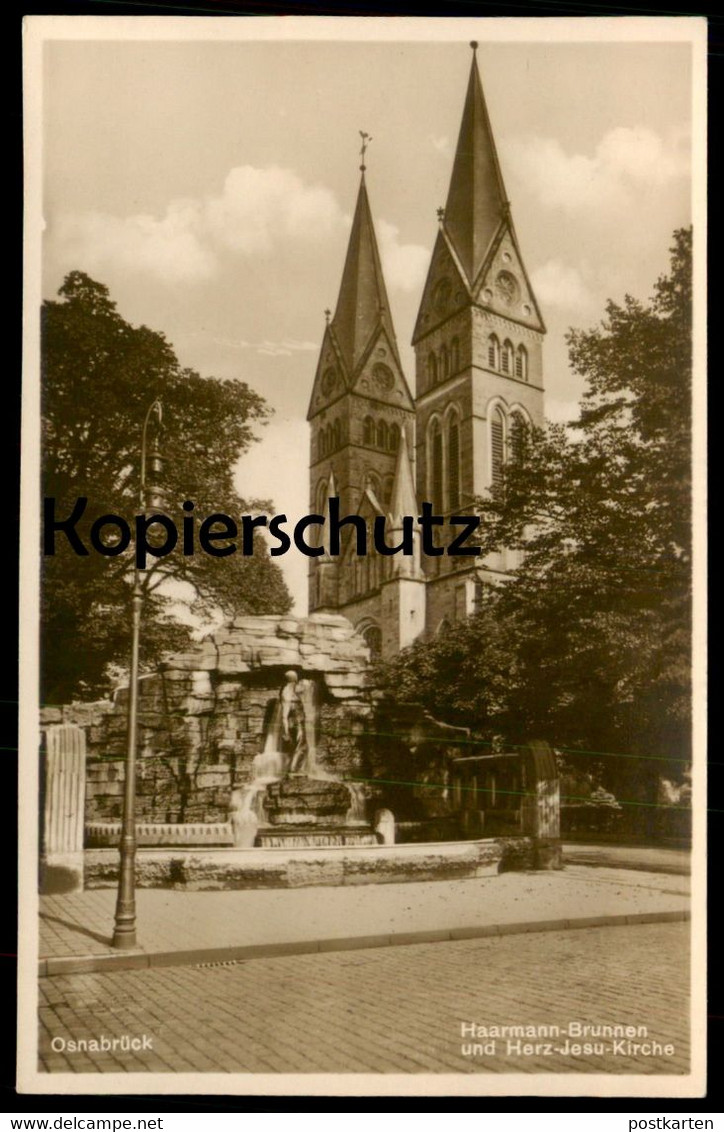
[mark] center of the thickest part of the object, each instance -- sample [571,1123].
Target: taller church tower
[478,345]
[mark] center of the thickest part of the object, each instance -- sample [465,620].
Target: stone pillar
[384,826]
[541,807]
[61,864]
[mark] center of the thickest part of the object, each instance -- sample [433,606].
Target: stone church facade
[382,451]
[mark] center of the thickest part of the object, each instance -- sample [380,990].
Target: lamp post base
[124,940]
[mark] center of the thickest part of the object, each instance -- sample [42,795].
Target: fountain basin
[213,869]
[297,835]
[100,834]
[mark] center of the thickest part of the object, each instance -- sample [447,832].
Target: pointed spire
[404,500]
[331,493]
[477,201]
[362,306]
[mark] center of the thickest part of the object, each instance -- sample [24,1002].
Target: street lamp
[124,934]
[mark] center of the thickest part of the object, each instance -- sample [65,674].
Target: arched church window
[436,467]
[493,352]
[453,461]
[497,447]
[322,497]
[444,363]
[432,367]
[382,434]
[394,437]
[521,363]
[455,355]
[387,485]
[368,431]
[322,443]
[518,431]
[336,435]
[373,483]
[372,637]
[375,567]
[506,358]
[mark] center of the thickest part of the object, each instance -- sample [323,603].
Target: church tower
[361,415]
[478,344]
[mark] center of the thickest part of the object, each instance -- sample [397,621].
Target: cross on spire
[366,139]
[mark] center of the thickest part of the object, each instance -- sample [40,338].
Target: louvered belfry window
[454,463]
[517,436]
[497,447]
[436,454]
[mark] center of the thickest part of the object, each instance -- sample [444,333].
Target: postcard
[362,740]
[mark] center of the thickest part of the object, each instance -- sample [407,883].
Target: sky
[210,185]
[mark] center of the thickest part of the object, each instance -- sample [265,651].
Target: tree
[587,645]
[99,377]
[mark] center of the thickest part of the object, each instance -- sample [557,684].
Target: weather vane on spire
[366,139]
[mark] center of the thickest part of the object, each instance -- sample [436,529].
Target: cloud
[283,349]
[441,144]
[404,265]
[256,211]
[172,248]
[260,208]
[627,161]
[286,347]
[558,285]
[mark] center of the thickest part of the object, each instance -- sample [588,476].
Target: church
[478,344]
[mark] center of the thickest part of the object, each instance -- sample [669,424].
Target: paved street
[390,1010]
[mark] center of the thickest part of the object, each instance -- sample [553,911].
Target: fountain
[291,801]
[268,761]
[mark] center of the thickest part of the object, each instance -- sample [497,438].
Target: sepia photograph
[362,655]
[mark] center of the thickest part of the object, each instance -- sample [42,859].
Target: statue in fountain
[293,723]
[291,800]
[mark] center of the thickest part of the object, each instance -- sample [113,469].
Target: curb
[591,862]
[134,960]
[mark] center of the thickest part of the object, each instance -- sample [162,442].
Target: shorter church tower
[362,417]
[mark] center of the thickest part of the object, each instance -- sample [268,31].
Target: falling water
[247,809]
[247,813]
[269,765]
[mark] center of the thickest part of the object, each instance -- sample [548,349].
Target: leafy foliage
[587,645]
[99,377]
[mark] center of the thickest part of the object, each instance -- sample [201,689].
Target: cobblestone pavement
[389,1010]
